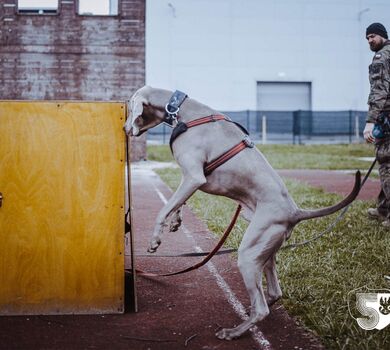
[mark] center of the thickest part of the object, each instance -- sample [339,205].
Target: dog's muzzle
[130,130]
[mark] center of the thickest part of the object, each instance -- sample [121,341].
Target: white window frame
[115,5]
[38,9]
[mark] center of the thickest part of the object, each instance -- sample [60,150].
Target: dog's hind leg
[274,292]
[260,242]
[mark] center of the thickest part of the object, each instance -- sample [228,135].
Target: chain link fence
[296,127]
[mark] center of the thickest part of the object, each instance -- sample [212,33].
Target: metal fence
[297,127]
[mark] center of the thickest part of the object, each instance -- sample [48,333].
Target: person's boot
[373,213]
[386,223]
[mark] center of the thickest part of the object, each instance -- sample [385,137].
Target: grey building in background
[263,54]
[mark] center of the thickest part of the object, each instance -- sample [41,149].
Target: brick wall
[71,57]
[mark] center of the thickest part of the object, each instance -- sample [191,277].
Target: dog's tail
[311,214]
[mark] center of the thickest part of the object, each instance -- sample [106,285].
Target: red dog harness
[210,167]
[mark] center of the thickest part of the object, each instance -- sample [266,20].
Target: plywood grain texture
[62,218]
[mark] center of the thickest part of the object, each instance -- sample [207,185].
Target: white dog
[247,178]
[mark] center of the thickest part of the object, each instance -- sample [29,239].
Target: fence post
[357,128]
[248,121]
[294,132]
[350,126]
[264,129]
[297,126]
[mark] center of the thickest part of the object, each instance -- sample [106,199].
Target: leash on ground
[185,255]
[205,260]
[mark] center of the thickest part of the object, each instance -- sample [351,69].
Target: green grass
[316,279]
[297,156]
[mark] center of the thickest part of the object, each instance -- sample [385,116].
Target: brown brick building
[61,54]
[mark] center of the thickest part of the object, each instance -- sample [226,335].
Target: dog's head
[141,114]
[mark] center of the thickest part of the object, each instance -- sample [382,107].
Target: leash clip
[171,116]
[175,112]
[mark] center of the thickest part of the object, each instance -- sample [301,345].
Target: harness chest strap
[210,167]
[204,120]
[182,127]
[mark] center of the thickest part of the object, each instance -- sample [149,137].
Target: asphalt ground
[335,181]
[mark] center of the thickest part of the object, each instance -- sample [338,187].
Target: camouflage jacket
[379,74]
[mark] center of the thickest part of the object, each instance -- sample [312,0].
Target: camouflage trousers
[383,158]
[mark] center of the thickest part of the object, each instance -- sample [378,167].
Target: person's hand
[367,133]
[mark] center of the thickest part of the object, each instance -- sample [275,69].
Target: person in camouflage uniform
[376,127]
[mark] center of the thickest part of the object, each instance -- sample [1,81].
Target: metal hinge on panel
[1,199]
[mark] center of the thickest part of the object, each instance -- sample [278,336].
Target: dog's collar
[173,106]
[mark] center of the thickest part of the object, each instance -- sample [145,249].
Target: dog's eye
[138,121]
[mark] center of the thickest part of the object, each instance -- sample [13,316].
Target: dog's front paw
[154,244]
[225,334]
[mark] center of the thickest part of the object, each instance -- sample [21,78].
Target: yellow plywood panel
[62,218]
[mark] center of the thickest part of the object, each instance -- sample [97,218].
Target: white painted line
[159,193]
[257,335]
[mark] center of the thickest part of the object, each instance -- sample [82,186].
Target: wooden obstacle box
[62,209]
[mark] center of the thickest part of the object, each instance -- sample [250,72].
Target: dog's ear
[135,107]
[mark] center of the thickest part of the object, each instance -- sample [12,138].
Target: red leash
[205,260]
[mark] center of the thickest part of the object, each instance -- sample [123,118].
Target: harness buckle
[248,142]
